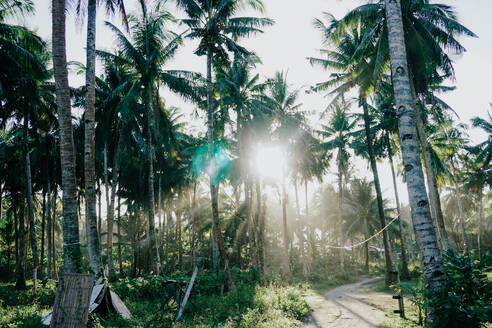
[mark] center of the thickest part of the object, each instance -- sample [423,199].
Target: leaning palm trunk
[404,274]
[156,262]
[433,273]
[94,247]
[457,189]
[71,245]
[434,197]
[28,192]
[217,239]
[387,251]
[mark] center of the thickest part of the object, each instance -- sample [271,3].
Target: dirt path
[346,306]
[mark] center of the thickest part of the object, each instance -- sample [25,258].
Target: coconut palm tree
[355,71]
[151,47]
[71,244]
[94,247]
[337,135]
[214,24]
[431,30]
[432,266]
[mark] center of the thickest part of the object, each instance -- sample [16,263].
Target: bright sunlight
[269,161]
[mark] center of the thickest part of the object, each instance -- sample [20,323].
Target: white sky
[286,45]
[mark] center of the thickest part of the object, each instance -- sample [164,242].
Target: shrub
[467,297]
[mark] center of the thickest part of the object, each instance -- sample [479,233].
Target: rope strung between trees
[365,241]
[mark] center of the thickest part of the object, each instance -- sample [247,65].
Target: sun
[269,161]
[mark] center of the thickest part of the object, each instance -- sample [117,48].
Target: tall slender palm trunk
[118,220]
[480,220]
[48,229]
[71,245]
[156,262]
[389,278]
[285,228]
[20,272]
[260,219]
[430,254]
[110,223]
[93,242]
[214,188]
[457,190]
[28,192]
[340,219]
[300,229]
[404,274]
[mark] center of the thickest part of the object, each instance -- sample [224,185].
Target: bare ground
[348,306]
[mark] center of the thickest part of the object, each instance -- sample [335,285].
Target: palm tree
[431,30]
[337,136]
[71,245]
[214,25]
[94,247]
[432,266]
[151,48]
[480,172]
[354,71]
[450,142]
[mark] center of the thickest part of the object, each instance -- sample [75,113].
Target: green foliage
[467,297]
[249,305]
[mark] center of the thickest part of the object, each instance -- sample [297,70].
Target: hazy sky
[286,45]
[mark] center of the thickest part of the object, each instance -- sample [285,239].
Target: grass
[275,305]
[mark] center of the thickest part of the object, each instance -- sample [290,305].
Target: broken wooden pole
[187,294]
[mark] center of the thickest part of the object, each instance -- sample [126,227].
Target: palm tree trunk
[193,224]
[43,230]
[480,220]
[99,218]
[53,226]
[432,265]
[28,191]
[300,231]
[309,252]
[285,230]
[404,274]
[93,242]
[214,188]
[179,216]
[382,219]
[251,224]
[71,245]
[120,263]
[20,274]
[48,229]
[457,189]
[210,136]
[110,223]
[261,228]
[156,262]
[434,197]
[340,218]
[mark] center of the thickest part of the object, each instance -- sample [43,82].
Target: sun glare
[269,162]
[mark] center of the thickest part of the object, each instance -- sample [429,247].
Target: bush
[467,300]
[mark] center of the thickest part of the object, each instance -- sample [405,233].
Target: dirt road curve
[345,307]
